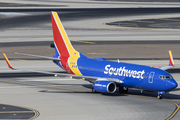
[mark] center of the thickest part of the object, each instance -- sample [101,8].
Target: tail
[62,44]
[171,61]
[63,48]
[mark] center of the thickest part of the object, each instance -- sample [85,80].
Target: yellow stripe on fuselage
[74,55]
[72,61]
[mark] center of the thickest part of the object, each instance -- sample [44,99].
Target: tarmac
[26,28]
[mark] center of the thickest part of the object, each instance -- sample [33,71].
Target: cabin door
[151,75]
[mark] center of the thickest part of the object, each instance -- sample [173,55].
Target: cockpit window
[165,77]
[168,77]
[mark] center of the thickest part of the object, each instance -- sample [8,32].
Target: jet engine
[105,86]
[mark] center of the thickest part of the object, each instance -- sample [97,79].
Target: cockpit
[165,77]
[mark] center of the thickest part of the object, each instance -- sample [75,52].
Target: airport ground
[142,33]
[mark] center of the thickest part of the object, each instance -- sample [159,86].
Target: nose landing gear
[160,93]
[159,96]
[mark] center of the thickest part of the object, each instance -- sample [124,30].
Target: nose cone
[171,84]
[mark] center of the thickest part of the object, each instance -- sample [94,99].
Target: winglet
[7,61]
[171,61]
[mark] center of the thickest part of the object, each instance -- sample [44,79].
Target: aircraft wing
[87,78]
[50,58]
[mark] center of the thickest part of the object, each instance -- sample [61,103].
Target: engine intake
[105,86]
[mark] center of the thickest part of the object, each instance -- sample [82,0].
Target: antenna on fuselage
[118,60]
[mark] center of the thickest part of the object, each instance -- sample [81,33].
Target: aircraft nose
[172,84]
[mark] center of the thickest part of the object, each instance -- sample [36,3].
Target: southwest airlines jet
[105,76]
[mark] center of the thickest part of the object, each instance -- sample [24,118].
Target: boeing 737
[105,76]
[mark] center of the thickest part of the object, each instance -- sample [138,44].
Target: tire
[159,96]
[123,89]
[93,90]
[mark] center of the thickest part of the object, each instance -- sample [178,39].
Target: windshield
[165,77]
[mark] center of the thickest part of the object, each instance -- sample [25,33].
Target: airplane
[105,76]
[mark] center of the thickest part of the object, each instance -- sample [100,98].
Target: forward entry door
[151,75]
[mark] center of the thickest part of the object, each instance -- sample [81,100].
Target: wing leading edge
[87,78]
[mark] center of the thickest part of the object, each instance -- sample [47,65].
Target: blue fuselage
[132,75]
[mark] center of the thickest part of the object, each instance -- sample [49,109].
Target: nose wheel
[159,96]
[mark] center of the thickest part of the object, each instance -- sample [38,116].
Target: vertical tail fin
[62,44]
[171,61]
[63,48]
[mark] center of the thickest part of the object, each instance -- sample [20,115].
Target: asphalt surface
[110,50]
[77,14]
[55,97]
[163,23]
[26,28]
[140,0]
[15,112]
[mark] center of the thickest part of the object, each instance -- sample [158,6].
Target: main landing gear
[93,90]
[123,89]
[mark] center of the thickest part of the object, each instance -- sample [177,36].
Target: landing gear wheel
[93,90]
[123,89]
[159,96]
[120,89]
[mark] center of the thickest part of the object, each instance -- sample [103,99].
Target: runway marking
[3,20]
[46,85]
[36,113]
[174,112]
[84,42]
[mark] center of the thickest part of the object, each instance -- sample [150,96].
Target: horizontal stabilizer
[50,58]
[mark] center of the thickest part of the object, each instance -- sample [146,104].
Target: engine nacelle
[105,86]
